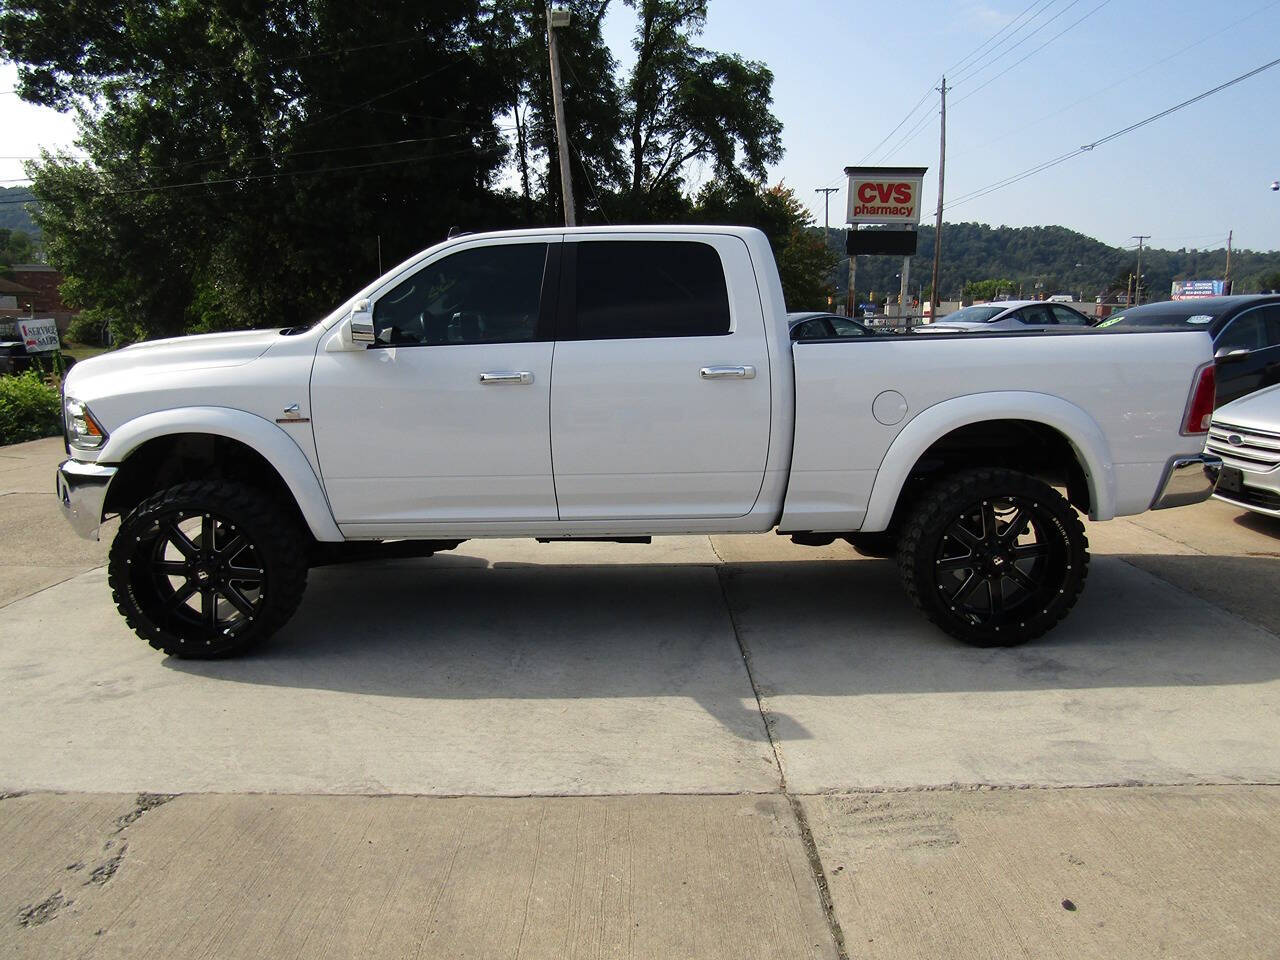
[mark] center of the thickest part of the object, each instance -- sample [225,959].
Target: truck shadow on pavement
[454,627]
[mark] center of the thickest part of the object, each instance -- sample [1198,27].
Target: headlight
[82,430]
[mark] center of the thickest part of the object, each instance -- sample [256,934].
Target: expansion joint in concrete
[814,859]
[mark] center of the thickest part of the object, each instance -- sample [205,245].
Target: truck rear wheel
[205,569]
[993,557]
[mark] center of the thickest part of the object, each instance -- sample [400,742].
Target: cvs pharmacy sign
[884,194]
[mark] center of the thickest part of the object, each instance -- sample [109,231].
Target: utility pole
[1137,280]
[826,207]
[826,216]
[558,16]
[937,223]
[1226,279]
[851,301]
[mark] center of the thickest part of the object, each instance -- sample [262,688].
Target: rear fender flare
[1081,431]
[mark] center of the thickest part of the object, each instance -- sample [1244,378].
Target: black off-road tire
[929,541]
[146,550]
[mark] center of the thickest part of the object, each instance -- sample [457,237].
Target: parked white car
[1245,434]
[616,383]
[1008,315]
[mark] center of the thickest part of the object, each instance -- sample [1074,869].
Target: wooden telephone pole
[1226,279]
[937,223]
[1137,281]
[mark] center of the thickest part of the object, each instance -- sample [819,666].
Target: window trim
[567,320]
[548,294]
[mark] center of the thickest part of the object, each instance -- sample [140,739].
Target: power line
[1074,24]
[1009,181]
[284,175]
[321,150]
[995,54]
[930,89]
[1137,73]
[959,65]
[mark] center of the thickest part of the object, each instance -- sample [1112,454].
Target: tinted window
[483,295]
[1037,315]
[978,313]
[649,288]
[815,329]
[1170,315]
[1065,315]
[1249,330]
[847,328]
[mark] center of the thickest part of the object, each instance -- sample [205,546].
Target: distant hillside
[15,215]
[1060,260]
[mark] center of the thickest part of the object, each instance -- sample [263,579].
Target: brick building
[33,288]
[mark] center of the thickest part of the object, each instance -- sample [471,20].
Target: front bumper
[1187,480]
[82,490]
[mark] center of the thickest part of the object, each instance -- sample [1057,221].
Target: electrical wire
[1086,148]
[284,175]
[991,80]
[1111,86]
[974,69]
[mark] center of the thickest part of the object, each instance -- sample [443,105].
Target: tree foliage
[250,164]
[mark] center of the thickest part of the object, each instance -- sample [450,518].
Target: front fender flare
[1081,431]
[275,446]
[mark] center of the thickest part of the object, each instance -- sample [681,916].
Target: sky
[846,73]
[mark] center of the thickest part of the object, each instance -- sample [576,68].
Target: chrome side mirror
[1230,354]
[362,322]
[355,332]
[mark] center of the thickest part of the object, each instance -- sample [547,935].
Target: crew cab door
[445,416]
[660,397]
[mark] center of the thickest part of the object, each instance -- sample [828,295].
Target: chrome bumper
[1187,480]
[82,490]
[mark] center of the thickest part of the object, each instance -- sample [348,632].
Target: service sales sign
[884,194]
[39,336]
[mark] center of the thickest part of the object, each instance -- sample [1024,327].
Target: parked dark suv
[1245,331]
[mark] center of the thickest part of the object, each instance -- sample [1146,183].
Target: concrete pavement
[793,763]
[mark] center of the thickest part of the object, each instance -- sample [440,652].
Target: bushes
[29,409]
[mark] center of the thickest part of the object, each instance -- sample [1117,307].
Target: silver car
[1245,433]
[1008,315]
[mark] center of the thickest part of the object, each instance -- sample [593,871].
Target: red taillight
[1200,408]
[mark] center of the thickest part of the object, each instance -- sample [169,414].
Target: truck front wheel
[993,557]
[206,569]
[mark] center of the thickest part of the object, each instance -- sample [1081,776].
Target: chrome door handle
[507,376]
[727,373]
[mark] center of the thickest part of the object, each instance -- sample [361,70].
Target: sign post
[884,197]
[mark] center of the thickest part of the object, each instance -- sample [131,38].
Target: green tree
[1266,281]
[989,289]
[245,160]
[686,104]
[593,113]
[804,261]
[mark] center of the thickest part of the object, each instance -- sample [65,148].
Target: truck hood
[1257,411]
[179,353]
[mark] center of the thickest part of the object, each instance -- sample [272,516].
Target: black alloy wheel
[205,570]
[994,557]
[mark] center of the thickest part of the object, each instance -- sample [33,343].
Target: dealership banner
[1196,289]
[884,194]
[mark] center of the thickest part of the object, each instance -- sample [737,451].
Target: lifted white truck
[617,383]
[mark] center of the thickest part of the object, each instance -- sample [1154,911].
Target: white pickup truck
[617,384]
